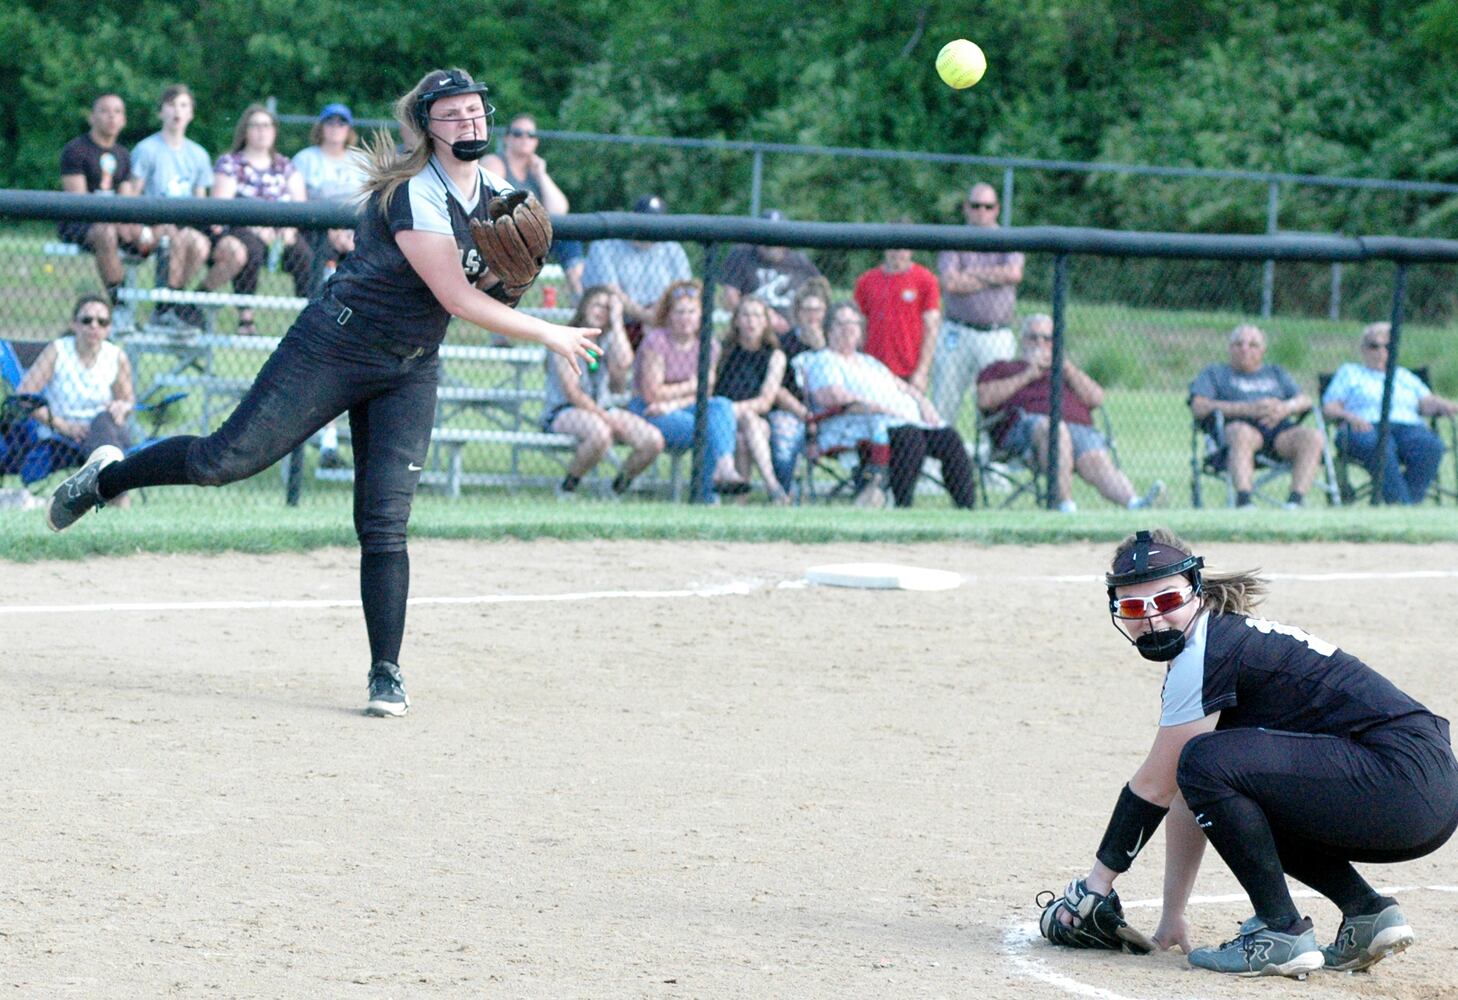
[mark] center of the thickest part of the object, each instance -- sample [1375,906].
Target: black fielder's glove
[515,241]
[1098,920]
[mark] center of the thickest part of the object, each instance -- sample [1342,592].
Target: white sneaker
[79,494]
[1155,491]
[1067,507]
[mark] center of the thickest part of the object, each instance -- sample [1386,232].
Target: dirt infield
[756,790]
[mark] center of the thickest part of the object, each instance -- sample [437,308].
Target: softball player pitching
[1289,755]
[437,237]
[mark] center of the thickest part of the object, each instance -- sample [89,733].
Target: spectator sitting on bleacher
[751,372]
[1021,391]
[524,168]
[902,305]
[333,168]
[770,273]
[167,164]
[87,384]
[894,420]
[791,412]
[639,271]
[96,163]
[254,168]
[581,405]
[1260,404]
[666,386]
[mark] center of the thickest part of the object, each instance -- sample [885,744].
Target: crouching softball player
[1289,755]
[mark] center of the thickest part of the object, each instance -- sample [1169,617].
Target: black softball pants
[1277,803]
[910,445]
[320,370]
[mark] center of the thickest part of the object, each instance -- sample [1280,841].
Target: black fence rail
[755,361]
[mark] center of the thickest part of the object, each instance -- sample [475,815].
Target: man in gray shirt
[1260,404]
[167,164]
[637,271]
[979,293]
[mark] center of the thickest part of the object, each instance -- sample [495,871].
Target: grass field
[175,521]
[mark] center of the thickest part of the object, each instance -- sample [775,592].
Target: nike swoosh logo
[414,468]
[1137,844]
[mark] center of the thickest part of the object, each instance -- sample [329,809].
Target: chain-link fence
[833,371]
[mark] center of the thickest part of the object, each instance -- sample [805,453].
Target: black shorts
[1268,434]
[76,232]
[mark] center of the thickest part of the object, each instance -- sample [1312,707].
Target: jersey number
[1318,646]
[471,263]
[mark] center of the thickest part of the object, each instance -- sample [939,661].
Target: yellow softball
[961,63]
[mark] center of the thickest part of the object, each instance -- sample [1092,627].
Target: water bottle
[275,254]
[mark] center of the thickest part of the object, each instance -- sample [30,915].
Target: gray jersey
[1223,383]
[641,272]
[171,173]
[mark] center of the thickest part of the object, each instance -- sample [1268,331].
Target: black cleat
[387,691]
[80,494]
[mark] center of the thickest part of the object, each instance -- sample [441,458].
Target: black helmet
[447,83]
[1147,559]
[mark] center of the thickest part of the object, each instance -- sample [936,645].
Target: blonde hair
[1223,593]
[386,168]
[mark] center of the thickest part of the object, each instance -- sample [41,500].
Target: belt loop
[344,315]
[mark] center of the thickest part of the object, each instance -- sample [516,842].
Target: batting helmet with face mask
[454,83]
[1147,560]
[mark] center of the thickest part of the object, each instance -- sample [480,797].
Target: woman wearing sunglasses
[1288,754]
[87,384]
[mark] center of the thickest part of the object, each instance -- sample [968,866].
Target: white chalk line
[1018,939]
[736,588]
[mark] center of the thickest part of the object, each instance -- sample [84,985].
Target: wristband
[1130,827]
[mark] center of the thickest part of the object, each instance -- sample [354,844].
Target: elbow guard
[1130,827]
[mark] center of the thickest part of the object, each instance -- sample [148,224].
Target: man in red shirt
[1023,390]
[902,304]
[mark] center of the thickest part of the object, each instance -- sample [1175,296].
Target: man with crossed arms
[979,292]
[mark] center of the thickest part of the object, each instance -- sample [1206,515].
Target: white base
[883,576]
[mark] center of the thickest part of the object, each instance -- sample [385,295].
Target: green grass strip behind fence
[168,527]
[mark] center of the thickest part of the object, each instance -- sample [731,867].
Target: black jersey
[1259,673]
[83,156]
[376,280]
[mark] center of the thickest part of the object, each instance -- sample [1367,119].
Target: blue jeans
[1411,462]
[787,440]
[678,433]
